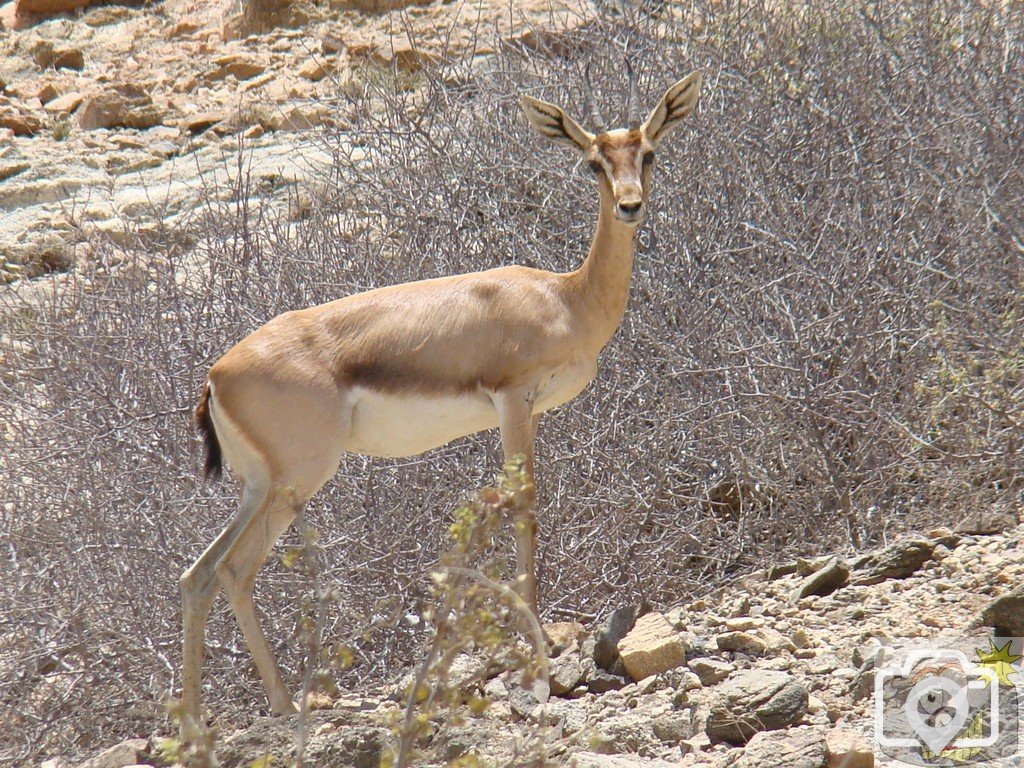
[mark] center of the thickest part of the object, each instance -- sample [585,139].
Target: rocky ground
[777,671]
[118,120]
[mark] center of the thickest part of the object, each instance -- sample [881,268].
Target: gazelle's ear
[677,103]
[551,121]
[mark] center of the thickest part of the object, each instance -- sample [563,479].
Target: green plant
[475,612]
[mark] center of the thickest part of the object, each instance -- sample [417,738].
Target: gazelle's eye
[648,158]
[595,166]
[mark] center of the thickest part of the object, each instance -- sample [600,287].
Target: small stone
[741,642]
[199,122]
[600,681]
[753,701]
[711,671]
[673,726]
[101,110]
[68,58]
[236,65]
[597,760]
[45,94]
[565,673]
[315,70]
[563,635]
[832,576]
[23,7]
[848,749]
[743,623]
[143,116]
[63,105]
[21,123]
[317,700]
[652,646]
[120,756]
[793,748]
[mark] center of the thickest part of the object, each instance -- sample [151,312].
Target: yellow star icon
[1000,661]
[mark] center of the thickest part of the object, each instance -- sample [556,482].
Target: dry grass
[823,348]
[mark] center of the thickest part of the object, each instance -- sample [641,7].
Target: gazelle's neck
[600,287]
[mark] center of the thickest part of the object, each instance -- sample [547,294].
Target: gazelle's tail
[204,424]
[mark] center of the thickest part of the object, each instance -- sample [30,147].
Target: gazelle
[397,371]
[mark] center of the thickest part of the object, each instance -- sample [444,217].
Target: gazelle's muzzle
[629,203]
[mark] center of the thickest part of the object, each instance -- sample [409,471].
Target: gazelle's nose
[630,209]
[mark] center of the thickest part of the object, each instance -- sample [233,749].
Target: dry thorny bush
[823,346]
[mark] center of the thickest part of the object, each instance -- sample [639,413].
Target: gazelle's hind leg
[199,588]
[237,571]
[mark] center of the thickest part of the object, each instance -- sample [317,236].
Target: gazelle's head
[620,158]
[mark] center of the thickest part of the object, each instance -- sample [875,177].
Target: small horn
[632,118]
[595,114]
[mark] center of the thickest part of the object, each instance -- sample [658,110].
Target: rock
[711,671]
[123,105]
[466,670]
[120,756]
[64,105]
[143,116]
[21,123]
[46,54]
[45,94]
[741,642]
[753,701]
[985,522]
[47,7]
[832,576]
[793,748]
[199,122]
[317,700]
[563,635]
[101,110]
[522,702]
[606,636]
[68,58]
[652,646]
[315,70]
[897,561]
[296,117]
[848,749]
[600,681]
[744,623]
[625,732]
[595,760]
[236,65]
[1005,615]
[10,170]
[565,672]
[674,726]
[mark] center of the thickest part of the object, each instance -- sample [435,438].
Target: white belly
[404,424]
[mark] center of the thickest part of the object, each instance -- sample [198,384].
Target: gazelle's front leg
[518,428]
